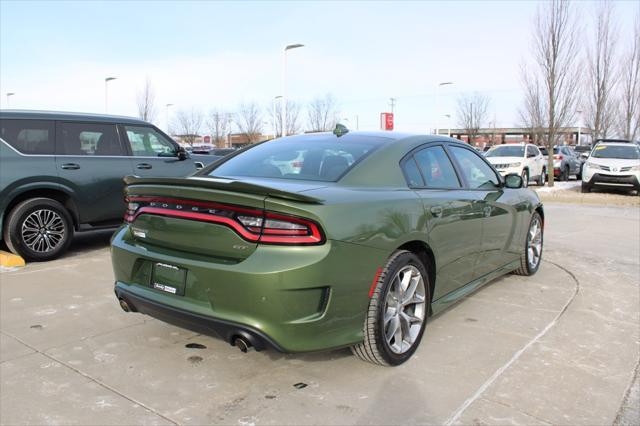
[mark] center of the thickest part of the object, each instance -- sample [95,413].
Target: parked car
[62,173]
[525,160]
[328,255]
[613,165]
[565,162]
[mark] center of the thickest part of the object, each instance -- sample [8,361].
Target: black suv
[62,173]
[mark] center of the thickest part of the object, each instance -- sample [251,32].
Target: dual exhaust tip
[241,342]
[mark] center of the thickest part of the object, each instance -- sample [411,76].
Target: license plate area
[168,278]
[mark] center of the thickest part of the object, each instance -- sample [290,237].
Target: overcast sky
[55,55]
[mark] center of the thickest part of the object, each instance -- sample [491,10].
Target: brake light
[251,224]
[558,157]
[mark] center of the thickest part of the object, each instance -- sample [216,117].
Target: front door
[498,217]
[91,162]
[153,154]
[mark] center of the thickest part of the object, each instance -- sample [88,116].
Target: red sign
[386,121]
[207,139]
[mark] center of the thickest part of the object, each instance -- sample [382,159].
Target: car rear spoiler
[222,185]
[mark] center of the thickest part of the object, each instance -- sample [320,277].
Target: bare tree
[293,118]
[322,113]
[189,124]
[629,111]
[146,102]
[531,114]
[472,113]
[218,125]
[555,69]
[601,73]
[249,121]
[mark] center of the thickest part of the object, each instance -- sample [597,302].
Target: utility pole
[392,102]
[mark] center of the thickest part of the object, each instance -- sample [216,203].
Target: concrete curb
[10,260]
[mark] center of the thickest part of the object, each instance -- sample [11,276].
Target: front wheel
[532,255]
[585,188]
[38,229]
[542,178]
[397,312]
[525,178]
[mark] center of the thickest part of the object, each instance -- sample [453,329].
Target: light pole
[106,92]
[579,125]
[167,106]
[275,116]
[448,125]
[9,94]
[444,83]
[284,85]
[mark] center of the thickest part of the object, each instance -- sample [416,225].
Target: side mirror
[181,154]
[513,181]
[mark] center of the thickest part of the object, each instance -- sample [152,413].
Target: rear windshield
[302,158]
[616,151]
[507,151]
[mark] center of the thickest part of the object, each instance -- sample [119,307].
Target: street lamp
[9,94]
[275,116]
[444,83]
[284,85]
[167,106]
[106,92]
[579,125]
[448,124]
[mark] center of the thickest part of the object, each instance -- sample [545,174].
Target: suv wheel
[397,312]
[585,188]
[542,178]
[525,178]
[38,229]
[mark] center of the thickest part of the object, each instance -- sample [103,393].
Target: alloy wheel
[534,243]
[43,231]
[405,309]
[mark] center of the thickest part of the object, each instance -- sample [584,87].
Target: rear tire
[38,229]
[565,174]
[531,257]
[585,188]
[388,312]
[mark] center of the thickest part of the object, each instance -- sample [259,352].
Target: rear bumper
[226,330]
[293,299]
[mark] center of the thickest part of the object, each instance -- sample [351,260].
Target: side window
[411,173]
[29,136]
[477,173]
[146,142]
[88,139]
[436,168]
[531,151]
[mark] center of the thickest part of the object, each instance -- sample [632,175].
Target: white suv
[523,159]
[612,165]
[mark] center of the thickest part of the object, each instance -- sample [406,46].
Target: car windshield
[323,159]
[629,152]
[507,151]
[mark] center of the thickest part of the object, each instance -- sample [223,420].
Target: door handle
[436,211]
[70,166]
[145,166]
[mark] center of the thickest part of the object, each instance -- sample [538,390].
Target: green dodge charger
[327,240]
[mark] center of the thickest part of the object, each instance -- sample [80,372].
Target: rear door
[153,154]
[454,224]
[91,160]
[498,216]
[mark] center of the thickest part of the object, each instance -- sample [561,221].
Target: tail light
[251,224]
[558,157]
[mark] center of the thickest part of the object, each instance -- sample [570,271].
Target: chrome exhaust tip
[242,344]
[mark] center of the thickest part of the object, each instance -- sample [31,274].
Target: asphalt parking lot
[561,347]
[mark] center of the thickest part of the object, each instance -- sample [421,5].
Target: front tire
[542,178]
[397,313]
[531,257]
[585,188]
[38,229]
[525,178]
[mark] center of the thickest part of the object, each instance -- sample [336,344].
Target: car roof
[616,144]
[390,136]
[62,115]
